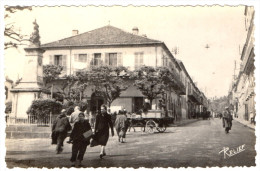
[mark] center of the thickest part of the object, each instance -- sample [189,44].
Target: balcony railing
[194,96]
[179,87]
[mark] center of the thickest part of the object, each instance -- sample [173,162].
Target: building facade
[242,92]
[114,47]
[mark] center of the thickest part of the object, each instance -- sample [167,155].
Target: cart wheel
[161,128]
[150,126]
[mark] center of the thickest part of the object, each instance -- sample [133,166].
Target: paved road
[194,145]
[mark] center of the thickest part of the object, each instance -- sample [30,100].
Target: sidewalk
[245,123]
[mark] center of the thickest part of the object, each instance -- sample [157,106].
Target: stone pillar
[31,84]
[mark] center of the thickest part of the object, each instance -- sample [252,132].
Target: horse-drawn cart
[151,121]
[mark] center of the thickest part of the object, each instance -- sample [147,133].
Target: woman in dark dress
[101,129]
[79,142]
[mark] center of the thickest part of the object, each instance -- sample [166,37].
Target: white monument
[30,87]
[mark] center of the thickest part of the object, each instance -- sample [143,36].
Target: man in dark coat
[101,129]
[78,140]
[227,120]
[60,128]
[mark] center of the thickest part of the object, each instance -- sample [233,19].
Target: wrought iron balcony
[194,96]
[178,86]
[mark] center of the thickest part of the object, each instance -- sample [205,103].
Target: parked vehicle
[152,120]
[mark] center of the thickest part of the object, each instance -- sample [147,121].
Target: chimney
[135,30]
[144,35]
[75,32]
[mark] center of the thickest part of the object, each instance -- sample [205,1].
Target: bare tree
[13,36]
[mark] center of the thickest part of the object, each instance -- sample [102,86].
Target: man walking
[60,128]
[227,120]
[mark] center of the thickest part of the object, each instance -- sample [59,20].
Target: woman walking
[121,126]
[78,140]
[101,129]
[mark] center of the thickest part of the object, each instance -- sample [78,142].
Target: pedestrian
[146,106]
[60,128]
[74,116]
[124,111]
[91,119]
[227,120]
[113,117]
[79,143]
[86,115]
[220,115]
[121,126]
[101,129]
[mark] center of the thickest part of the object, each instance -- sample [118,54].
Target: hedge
[43,107]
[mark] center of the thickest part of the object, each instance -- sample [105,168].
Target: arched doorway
[95,102]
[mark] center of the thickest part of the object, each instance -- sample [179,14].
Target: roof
[107,35]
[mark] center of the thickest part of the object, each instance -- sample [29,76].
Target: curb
[244,124]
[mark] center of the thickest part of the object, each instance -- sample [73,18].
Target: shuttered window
[80,58]
[113,59]
[58,60]
[97,59]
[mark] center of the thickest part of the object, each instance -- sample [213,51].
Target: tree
[50,73]
[107,81]
[153,81]
[8,107]
[13,36]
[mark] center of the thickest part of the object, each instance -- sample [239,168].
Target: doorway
[96,102]
[138,104]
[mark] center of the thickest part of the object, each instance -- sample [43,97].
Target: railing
[178,83]
[31,120]
[195,95]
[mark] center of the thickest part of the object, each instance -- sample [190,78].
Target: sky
[188,28]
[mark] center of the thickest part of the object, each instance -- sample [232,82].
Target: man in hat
[227,120]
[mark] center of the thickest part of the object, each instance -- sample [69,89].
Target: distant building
[192,100]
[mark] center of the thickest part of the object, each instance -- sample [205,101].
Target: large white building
[112,46]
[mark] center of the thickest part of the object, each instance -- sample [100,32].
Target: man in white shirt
[74,116]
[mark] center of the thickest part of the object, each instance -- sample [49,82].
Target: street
[194,145]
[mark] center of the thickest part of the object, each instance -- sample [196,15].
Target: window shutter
[86,58]
[119,59]
[51,60]
[141,58]
[106,58]
[76,57]
[136,60]
[93,59]
[64,63]
[114,63]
